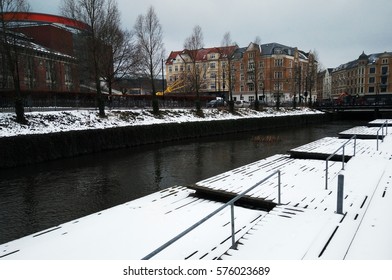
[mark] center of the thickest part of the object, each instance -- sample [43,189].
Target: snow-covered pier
[294,217]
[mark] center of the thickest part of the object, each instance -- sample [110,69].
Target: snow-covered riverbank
[61,121]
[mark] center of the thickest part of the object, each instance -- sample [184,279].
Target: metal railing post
[343,157]
[233,244]
[339,207]
[278,187]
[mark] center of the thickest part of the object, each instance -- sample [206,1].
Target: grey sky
[339,30]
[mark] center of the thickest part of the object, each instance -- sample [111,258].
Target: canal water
[40,196]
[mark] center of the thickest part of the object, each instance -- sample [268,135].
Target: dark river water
[40,196]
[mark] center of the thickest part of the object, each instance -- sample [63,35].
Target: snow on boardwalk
[134,229]
[363,132]
[317,232]
[304,226]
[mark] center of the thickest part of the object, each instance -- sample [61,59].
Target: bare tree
[10,49]
[123,58]
[227,42]
[98,14]
[192,45]
[149,41]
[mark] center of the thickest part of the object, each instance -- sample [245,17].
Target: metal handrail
[231,203]
[343,157]
[385,124]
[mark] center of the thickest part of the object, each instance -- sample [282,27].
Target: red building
[46,56]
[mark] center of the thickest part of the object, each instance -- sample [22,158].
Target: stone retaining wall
[29,149]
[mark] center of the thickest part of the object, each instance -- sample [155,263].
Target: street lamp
[163,85]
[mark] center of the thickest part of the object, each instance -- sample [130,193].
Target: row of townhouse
[367,76]
[264,72]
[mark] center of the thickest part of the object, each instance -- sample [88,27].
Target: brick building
[367,76]
[261,72]
[46,53]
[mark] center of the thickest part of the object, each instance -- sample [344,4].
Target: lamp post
[163,85]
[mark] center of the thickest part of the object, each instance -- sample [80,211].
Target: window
[251,98]
[251,65]
[384,70]
[371,89]
[212,65]
[212,86]
[372,70]
[371,80]
[170,69]
[278,62]
[278,75]
[212,56]
[251,87]
[176,68]
[68,75]
[213,75]
[384,61]
[251,55]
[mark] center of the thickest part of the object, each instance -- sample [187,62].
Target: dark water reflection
[37,197]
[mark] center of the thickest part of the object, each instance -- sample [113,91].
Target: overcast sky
[339,30]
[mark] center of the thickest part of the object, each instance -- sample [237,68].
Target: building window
[68,76]
[372,70]
[251,87]
[278,75]
[212,86]
[170,69]
[251,55]
[371,89]
[385,61]
[384,70]
[176,68]
[212,65]
[279,62]
[371,80]
[251,98]
[212,56]
[213,75]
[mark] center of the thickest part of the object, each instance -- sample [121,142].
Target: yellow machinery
[174,86]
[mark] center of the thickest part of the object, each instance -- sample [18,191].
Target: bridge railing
[385,124]
[231,204]
[343,157]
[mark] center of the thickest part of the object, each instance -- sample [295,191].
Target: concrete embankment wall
[28,149]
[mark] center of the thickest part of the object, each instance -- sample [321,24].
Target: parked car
[216,103]
[241,104]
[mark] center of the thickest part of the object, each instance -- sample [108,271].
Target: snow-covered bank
[61,121]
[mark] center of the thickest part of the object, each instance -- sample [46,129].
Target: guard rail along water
[385,124]
[231,203]
[343,157]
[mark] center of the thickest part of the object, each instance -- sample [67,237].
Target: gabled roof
[202,54]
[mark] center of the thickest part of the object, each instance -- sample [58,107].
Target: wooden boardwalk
[362,132]
[304,225]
